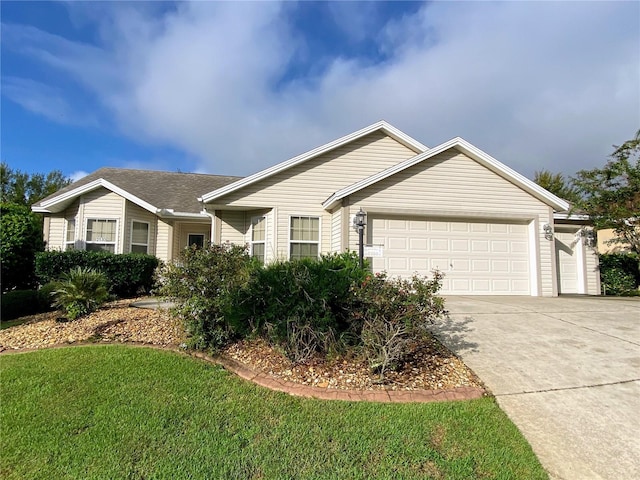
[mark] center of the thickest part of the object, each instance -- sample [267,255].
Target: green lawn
[122,412]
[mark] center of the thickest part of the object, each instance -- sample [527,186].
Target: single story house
[451,207]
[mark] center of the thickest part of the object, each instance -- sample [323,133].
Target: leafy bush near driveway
[302,305]
[80,292]
[127,274]
[306,307]
[392,314]
[202,283]
[619,273]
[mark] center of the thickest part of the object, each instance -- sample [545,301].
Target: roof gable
[383,126]
[471,151]
[148,189]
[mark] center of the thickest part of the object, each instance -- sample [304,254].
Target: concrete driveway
[566,370]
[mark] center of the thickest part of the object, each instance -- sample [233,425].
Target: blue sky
[231,88]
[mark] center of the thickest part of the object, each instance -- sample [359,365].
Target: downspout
[213,222]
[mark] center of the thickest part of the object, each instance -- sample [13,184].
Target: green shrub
[19,303]
[619,273]
[20,239]
[202,284]
[45,296]
[389,315]
[127,274]
[80,292]
[301,305]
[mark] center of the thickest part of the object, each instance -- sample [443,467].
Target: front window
[195,239]
[70,235]
[258,231]
[101,235]
[304,237]
[139,237]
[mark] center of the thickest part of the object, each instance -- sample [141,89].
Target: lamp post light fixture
[360,221]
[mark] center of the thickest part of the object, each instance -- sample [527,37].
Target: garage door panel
[396,243]
[499,228]
[439,244]
[499,246]
[476,257]
[480,265]
[460,245]
[567,262]
[418,244]
[479,246]
[519,247]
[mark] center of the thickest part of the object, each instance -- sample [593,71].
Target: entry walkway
[566,371]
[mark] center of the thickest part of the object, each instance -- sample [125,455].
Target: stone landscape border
[295,389]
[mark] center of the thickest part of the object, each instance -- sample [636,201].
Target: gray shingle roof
[167,190]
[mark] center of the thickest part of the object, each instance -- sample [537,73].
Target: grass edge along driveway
[120,412]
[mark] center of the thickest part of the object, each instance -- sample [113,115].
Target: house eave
[57,203]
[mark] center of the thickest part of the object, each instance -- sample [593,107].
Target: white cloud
[535,84]
[45,100]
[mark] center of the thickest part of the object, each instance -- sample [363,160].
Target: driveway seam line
[590,329]
[579,387]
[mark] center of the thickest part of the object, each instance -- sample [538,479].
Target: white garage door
[566,258]
[478,258]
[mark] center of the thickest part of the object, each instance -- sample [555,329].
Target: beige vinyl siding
[454,185]
[233,227]
[164,241]
[336,230]
[138,214]
[300,190]
[56,233]
[103,204]
[592,271]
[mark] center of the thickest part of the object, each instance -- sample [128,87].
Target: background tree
[20,228]
[556,184]
[20,239]
[611,195]
[26,189]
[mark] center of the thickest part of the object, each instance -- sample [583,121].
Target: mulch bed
[430,367]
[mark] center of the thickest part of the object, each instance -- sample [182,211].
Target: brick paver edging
[386,396]
[295,389]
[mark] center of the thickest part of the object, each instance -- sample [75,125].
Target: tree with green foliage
[20,239]
[611,195]
[556,184]
[26,189]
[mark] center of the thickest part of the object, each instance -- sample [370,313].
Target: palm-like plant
[80,292]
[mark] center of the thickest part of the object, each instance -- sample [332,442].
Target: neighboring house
[607,243]
[451,207]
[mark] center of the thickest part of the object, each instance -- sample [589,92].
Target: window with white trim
[304,237]
[258,236]
[70,235]
[196,239]
[139,237]
[101,234]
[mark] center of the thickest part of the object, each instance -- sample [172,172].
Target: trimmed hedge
[619,273]
[19,303]
[127,274]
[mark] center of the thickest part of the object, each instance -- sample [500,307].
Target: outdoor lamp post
[360,221]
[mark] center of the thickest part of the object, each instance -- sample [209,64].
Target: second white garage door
[478,258]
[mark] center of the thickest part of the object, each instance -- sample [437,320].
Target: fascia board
[574,216]
[100,182]
[382,125]
[467,148]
